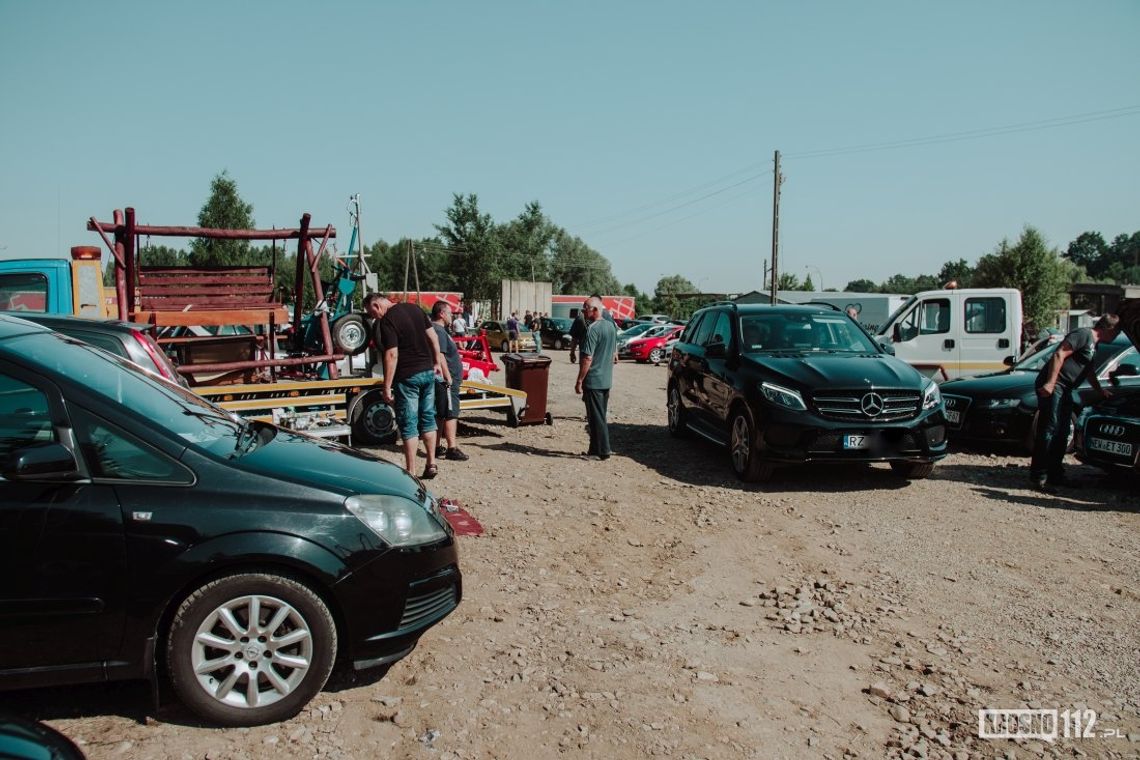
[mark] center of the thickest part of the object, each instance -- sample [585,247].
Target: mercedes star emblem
[872,404]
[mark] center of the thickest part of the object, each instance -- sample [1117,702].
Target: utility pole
[777,180]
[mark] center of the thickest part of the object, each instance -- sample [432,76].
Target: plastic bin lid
[532,358]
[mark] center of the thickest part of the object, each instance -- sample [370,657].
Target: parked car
[656,318]
[144,531]
[651,347]
[654,330]
[634,331]
[1000,407]
[554,332]
[791,384]
[25,739]
[126,339]
[496,333]
[1108,430]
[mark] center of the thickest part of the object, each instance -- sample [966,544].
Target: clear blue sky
[618,117]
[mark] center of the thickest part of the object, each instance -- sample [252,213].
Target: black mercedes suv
[790,384]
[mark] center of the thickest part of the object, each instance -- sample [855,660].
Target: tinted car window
[803,332]
[721,331]
[23,291]
[111,452]
[704,329]
[25,418]
[193,418]
[691,329]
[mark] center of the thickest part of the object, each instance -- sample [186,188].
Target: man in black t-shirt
[410,350]
[1070,365]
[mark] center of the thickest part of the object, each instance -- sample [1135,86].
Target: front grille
[424,608]
[849,405]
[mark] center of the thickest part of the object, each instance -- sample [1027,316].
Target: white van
[956,332]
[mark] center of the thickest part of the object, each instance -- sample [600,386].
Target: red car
[650,349]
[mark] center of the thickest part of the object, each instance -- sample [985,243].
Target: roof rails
[831,306]
[733,304]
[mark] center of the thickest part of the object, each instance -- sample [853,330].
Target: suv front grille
[861,405]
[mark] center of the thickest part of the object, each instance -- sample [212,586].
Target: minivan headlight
[785,397]
[931,394]
[399,521]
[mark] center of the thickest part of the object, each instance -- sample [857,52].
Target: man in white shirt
[458,325]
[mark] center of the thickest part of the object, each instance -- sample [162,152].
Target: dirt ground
[653,606]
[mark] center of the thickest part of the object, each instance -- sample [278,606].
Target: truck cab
[55,286]
[956,332]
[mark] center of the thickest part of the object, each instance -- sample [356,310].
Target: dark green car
[145,531]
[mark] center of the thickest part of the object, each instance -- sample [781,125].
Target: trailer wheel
[373,422]
[349,335]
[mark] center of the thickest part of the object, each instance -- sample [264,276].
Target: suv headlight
[399,521]
[931,394]
[785,397]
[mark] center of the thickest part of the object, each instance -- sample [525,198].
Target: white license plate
[1123,448]
[854,442]
[953,417]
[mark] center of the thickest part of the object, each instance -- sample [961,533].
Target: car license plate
[854,442]
[1122,448]
[954,418]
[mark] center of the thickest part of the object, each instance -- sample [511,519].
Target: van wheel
[912,470]
[505,346]
[250,649]
[558,344]
[746,462]
[371,420]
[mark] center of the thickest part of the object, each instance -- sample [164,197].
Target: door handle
[1003,342]
[948,343]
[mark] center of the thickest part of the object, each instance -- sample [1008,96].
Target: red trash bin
[529,373]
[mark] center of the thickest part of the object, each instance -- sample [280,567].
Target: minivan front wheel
[746,463]
[250,649]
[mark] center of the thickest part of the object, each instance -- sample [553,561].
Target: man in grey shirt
[596,375]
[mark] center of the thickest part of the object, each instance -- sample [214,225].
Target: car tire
[678,419]
[656,355]
[349,334]
[371,420]
[558,344]
[912,470]
[1031,436]
[505,346]
[222,655]
[742,448]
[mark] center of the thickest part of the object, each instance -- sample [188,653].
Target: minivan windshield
[803,332]
[164,405]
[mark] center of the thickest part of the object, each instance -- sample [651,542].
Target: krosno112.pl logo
[1046,725]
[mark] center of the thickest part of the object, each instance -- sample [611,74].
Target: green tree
[1038,271]
[788,281]
[666,296]
[808,284]
[861,286]
[956,271]
[643,302]
[1088,252]
[576,268]
[526,242]
[226,210]
[472,239]
[161,256]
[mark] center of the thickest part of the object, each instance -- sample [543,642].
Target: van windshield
[831,333]
[888,326]
[164,405]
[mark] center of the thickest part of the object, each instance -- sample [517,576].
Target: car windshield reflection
[827,333]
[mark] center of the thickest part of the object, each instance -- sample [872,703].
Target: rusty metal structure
[190,296]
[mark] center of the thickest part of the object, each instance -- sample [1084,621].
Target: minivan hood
[840,370]
[328,466]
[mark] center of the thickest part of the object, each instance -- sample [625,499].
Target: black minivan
[144,531]
[791,384]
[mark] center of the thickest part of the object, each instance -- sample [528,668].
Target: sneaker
[455,455]
[440,451]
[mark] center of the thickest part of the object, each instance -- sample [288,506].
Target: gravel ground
[652,605]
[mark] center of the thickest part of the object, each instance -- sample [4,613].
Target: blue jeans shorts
[415,404]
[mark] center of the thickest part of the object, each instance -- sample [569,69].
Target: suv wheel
[678,420]
[913,470]
[742,449]
[250,649]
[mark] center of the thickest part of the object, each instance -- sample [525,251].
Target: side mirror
[716,350]
[896,334]
[1124,370]
[51,461]
[1009,361]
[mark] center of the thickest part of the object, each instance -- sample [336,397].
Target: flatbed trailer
[351,409]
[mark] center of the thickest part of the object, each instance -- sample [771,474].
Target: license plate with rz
[855,442]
